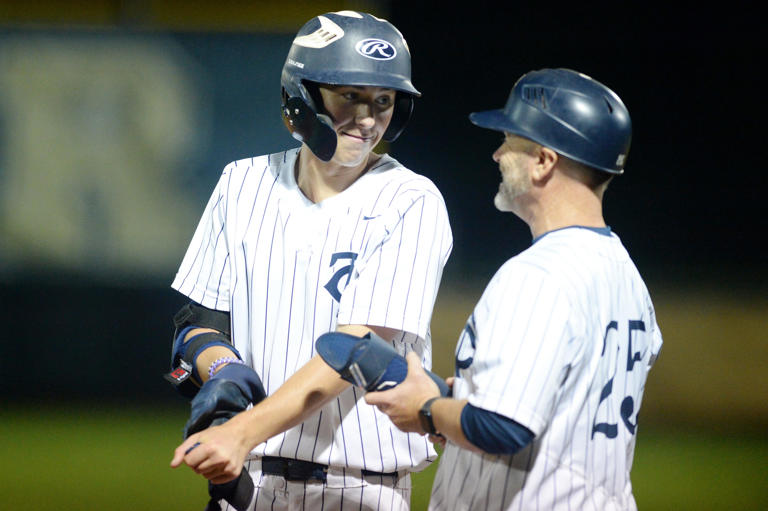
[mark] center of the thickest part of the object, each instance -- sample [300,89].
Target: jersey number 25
[627,406]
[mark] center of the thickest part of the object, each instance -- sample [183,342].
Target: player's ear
[546,159]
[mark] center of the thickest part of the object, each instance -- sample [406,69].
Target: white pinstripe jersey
[561,341]
[289,270]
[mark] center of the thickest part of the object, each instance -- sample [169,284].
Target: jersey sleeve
[524,346]
[656,338]
[204,272]
[396,280]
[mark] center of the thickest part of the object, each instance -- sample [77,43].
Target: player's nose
[497,154]
[364,115]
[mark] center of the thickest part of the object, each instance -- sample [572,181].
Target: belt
[299,470]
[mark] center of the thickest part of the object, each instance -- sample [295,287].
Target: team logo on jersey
[332,286]
[465,351]
[377,49]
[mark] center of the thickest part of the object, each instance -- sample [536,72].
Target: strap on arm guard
[202,317]
[183,375]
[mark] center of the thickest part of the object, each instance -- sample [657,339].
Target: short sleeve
[204,272]
[523,347]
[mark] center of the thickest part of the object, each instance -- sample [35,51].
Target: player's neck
[578,206]
[319,180]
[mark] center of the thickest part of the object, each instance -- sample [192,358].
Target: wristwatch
[425,416]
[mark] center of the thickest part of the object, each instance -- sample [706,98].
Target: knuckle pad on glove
[217,402]
[226,394]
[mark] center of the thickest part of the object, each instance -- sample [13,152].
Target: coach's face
[515,157]
[360,116]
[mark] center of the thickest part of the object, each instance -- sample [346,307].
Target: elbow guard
[369,362]
[183,375]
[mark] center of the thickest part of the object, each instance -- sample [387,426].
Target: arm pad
[184,376]
[226,394]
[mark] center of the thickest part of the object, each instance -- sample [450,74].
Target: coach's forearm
[300,397]
[446,416]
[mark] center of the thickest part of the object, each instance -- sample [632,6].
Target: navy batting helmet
[570,113]
[343,48]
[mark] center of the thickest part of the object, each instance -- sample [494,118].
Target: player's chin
[502,202]
[351,156]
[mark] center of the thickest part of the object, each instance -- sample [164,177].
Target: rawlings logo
[377,49]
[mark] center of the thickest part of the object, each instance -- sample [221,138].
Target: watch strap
[425,416]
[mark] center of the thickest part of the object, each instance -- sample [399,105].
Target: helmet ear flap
[312,90]
[403,109]
[306,126]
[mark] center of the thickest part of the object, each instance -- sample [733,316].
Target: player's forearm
[300,397]
[209,355]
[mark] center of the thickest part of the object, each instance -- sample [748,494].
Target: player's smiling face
[515,158]
[360,116]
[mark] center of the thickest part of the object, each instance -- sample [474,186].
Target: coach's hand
[402,402]
[216,453]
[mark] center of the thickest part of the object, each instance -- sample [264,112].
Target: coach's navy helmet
[570,113]
[343,48]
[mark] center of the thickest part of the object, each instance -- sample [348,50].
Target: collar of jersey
[385,163]
[604,231]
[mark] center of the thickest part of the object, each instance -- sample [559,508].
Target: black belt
[299,470]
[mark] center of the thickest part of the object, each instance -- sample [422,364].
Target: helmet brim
[491,119]
[498,120]
[366,79]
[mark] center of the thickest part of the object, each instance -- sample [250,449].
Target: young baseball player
[551,366]
[330,236]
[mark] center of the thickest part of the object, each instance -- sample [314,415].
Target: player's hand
[216,453]
[403,402]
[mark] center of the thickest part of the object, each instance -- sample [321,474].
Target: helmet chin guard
[343,48]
